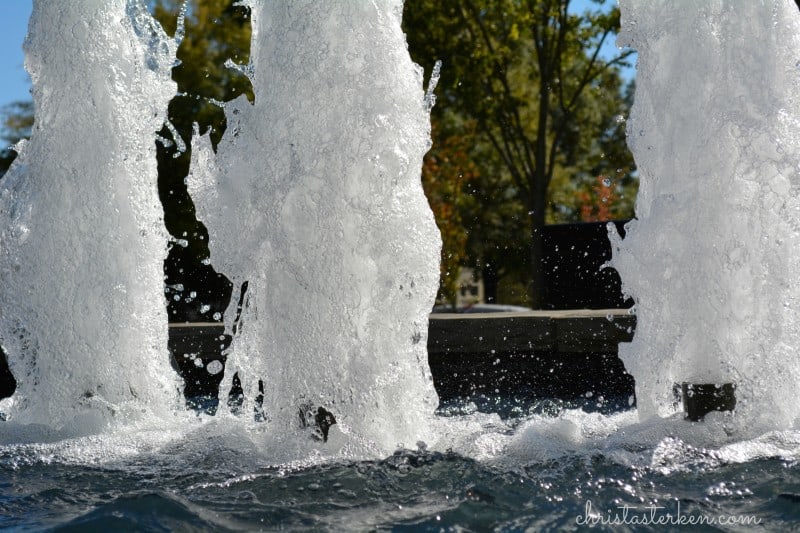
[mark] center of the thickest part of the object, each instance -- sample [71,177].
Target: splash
[82,235]
[314,200]
[712,258]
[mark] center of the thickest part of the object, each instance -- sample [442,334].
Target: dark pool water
[409,491]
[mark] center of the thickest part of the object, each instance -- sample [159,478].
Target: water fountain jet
[314,199]
[81,229]
[711,258]
[537,470]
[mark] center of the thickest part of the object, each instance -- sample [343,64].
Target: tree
[216,31]
[446,171]
[530,73]
[16,125]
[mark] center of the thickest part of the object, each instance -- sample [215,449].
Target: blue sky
[14,81]
[14,15]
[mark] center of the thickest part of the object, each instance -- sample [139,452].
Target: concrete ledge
[573,331]
[564,355]
[567,355]
[195,328]
[570,355]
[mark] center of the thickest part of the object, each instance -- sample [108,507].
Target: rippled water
[534,473]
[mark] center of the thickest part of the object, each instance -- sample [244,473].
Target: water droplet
[214,367]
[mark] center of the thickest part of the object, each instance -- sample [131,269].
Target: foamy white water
[82,241]
[713,257]
[315,200]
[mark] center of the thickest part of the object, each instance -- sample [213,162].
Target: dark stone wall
[573,260]
[575,363]
[7,383]
[595,382]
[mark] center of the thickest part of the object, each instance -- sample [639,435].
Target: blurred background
[528,135]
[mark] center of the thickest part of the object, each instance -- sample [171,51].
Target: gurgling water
[712,258]
[315,201]
[82,239]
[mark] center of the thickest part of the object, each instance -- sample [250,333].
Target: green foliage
[527,119]
[216,31]
[545,101]
[17,121]
[446,173]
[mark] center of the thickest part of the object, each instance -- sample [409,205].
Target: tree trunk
[537,204]
[536,284]
[490,281]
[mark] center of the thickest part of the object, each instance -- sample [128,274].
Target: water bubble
[205,308]
[619,119]
[217,316]
[214,367]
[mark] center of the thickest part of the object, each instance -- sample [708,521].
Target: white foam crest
[666,445]
[183,441]
[315,200]
[231,452]
[81,231]
[712,258]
